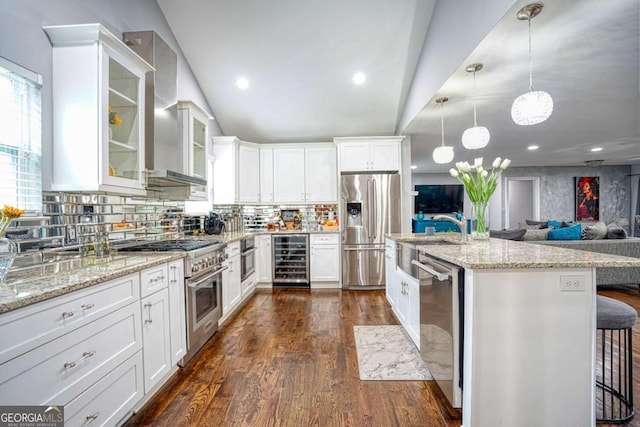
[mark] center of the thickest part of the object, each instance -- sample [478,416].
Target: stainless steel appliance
[247,257]
[441,323]
[370,208]
[203,286]
[291,260]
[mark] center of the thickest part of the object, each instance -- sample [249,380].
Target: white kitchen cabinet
[369,154]
[409,305]
[109,400]
[231,281]
[320,174]
[305,174]
[95,76]
[177,315]
[263,259]
[288,175]
[391,287]
[266,175]
[248,173]
[236,171]
[324,263]
[193,129]
[249,285]
[59,370]
[156,338]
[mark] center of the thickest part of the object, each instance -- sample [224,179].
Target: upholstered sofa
[606,276]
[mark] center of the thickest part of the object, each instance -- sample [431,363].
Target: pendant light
[476,136]
[534,106]
[442,154]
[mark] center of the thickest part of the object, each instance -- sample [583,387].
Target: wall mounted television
[439,198]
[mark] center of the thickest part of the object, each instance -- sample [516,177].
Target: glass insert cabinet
[98,110]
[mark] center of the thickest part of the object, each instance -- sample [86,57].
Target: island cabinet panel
[529,348]
[24,329]
[58,371]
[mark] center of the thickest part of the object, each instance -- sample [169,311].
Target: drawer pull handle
[87,306]
[67,314]
[85,355]
[91,418]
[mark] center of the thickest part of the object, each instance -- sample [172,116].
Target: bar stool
[614,361]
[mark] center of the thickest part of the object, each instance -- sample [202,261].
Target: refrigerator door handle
[368,209]
[374,202]
[364,249]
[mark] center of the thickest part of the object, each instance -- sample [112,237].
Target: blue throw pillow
[567,233]
[558,224]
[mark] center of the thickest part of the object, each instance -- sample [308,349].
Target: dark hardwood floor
[288,358]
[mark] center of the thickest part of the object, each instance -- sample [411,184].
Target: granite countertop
[34,284]
[500,253]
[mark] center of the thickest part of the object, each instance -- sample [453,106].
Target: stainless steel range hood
[164,150]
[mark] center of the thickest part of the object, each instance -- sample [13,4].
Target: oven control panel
[208,262]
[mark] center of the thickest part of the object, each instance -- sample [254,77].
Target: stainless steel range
[203,286]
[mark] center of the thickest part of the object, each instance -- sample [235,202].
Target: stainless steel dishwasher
[441,323]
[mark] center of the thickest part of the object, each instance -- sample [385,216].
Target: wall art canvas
[587,198]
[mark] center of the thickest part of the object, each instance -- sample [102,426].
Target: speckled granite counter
[41,282]
[499,253]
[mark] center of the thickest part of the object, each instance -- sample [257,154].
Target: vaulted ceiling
[299,59]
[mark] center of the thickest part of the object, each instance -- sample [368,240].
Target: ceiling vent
[594,163]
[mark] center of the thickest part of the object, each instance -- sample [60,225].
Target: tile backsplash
[69,217]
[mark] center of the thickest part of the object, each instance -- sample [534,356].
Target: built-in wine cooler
[291,260]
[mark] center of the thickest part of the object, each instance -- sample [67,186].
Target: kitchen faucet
[462,223]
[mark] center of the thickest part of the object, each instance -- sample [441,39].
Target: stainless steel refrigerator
[370,208]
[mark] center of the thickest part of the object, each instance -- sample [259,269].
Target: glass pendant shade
[531,108]
[443,154]
[475,137]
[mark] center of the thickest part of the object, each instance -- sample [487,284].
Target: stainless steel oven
[203,286]
[204,308]
[247,257]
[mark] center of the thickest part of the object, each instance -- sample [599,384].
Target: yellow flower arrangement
[7,214]
[113,118]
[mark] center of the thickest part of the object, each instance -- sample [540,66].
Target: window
[20,137]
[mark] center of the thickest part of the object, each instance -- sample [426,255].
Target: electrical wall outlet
[572,283]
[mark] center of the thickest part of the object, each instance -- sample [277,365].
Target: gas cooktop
[171,245]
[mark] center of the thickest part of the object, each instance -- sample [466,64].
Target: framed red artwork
[587,198]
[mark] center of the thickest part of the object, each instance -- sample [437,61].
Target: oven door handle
[249,251]
[439,275]
[196,284]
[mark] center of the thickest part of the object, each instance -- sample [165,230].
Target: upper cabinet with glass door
[98,110]
[193,127]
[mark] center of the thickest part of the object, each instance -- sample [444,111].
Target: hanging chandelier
[442,154]
[531,107]
[477,136]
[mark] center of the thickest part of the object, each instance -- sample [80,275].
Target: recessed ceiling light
[359,78]
[414,167]
[532,147]
[242,83]
[596,149]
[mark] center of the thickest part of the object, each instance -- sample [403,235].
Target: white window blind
[20,137]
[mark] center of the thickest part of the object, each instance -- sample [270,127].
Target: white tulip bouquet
[480,186]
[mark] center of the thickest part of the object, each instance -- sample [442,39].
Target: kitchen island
[528,331]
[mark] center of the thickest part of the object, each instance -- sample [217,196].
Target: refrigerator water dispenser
[354,214]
